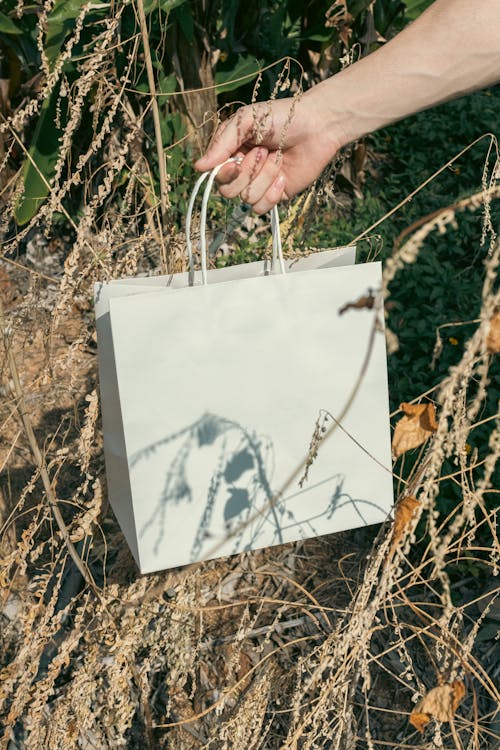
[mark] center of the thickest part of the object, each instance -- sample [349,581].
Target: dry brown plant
[330,643]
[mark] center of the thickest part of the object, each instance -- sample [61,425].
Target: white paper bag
[210,396]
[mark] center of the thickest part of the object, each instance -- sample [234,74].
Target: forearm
[453,48]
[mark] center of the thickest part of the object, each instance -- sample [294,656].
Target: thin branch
[164,201]
[423,184]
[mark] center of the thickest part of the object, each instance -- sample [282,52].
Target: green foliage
[18,52]
[60,22]
[444,285]
[415,7]
[242,39]
[7,26]
[233,76]
[40,163]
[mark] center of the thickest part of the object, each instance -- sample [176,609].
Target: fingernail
[279,183]
[260,154]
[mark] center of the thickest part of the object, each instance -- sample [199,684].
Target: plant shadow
[221,473]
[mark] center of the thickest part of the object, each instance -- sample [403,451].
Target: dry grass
[321,644]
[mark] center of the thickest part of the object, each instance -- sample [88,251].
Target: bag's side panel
[117,472]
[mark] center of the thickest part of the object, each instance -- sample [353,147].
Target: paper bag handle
[275,225]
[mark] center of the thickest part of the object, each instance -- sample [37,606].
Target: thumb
[212,158]
[227,140]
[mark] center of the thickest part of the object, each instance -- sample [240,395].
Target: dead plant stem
[471,201]
[164,201]
[47,184]
[38,457]
[22,267]
[220,701]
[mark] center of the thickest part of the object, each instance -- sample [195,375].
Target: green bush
[215,49]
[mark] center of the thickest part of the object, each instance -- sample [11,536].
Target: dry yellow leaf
[493,337]
[402,517]
[418,423]
[458,694]
[440,703]
[419,721]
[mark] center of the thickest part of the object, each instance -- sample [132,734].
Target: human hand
[282,146]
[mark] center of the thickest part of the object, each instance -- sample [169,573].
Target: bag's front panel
[117,473]
[220,389]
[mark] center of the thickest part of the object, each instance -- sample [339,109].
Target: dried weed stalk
[323,644]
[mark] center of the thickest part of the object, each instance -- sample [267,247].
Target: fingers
[272,196]
[246,172]
[255,180]
[229,138]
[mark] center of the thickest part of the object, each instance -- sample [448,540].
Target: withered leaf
[419,721]
[440,703]
[458,694]
[366,301]
[493,337]
[414,428]
[245,665]
[402,517]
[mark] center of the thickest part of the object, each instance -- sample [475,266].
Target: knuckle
[226,175]
[227,191]
[261,207]
[246,195]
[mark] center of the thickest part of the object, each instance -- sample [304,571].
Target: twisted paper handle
[275,225]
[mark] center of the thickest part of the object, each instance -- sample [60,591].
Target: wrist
[322,115]
[343,113]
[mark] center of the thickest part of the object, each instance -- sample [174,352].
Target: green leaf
[356,7]
[165,5]
[415,7]
[319,37]
[184,18]
[168,5]
[385,12]
[39,166]
[60,22]
[7,26]
[245,68]
[166,85]
[66,10]
[487,633]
